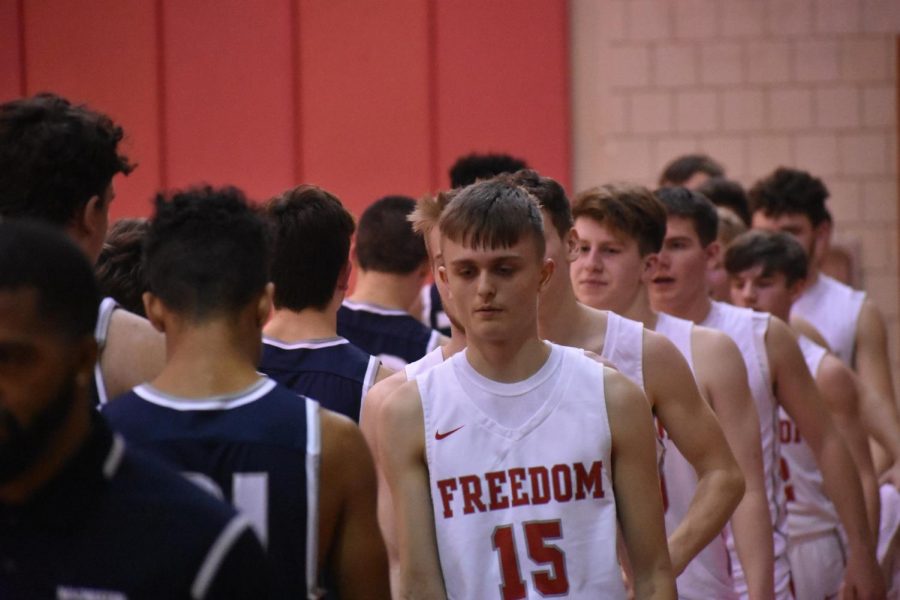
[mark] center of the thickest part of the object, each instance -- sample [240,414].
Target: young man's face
[609,270]
[40,373]
[796,224]
[752,288]
[495,290]
[683,262]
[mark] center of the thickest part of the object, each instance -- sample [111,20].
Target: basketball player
[392,268]
[511,462]
[310,268]
[620,230]
[650,361]
[793,201]
[767,271]
[777,375]
[81,515]
[301,474]
[57,163]
[424,220]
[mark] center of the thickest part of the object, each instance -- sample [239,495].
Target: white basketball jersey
[832,308]
[623,346]
[432,359]
[708,575]
[527,512]
[748,330]
[809,509]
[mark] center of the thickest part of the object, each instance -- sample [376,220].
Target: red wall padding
[362,97]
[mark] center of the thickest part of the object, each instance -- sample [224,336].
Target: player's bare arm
[400,420]
[881,421]
[636,487]
[350,543]
[723,378]
[693,427]
[804,327]
[871,361]
[796,392]
[368,423]
[135,353]
[839,391]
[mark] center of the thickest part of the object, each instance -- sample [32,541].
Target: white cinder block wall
[755,84]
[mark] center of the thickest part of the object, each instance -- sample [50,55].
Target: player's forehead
[681,228]
[458,252]
[788,221]
[20,319]
[601,232]
[759,272]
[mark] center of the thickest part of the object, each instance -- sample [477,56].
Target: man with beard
[81,516]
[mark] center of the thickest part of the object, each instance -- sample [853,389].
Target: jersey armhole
[313,452]
[368,381]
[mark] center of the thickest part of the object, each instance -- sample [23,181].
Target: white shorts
[817,564]
[782,578]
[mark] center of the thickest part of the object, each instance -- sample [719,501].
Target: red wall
[362,97]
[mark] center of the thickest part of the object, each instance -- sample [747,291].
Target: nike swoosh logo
[439,436]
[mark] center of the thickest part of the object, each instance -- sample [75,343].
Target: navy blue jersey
[433,310]
[394,336]
[258,449]
[333,371]
[118,524]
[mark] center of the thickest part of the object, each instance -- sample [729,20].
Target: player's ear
[650,265]
[264,305]
[712,250]
[546,273]
[571,242]
[155,310]
[442,273]
[86,358]
[343,282]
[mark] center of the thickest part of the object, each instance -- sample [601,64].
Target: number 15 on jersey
[549,581]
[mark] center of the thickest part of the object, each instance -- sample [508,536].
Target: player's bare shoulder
[134,353]
[624,399]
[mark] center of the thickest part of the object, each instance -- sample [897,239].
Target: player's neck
[557,309]
[388,290]
[213,359]
[640,309]
[457,342]
[694,309]
[508,362]
[65,443]
[308,324]
[812,275]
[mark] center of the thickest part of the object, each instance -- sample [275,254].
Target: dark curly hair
[727,193]
[54,157]
[205,253]
[39,257]
[787,191]
[470,168]
[120,271]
